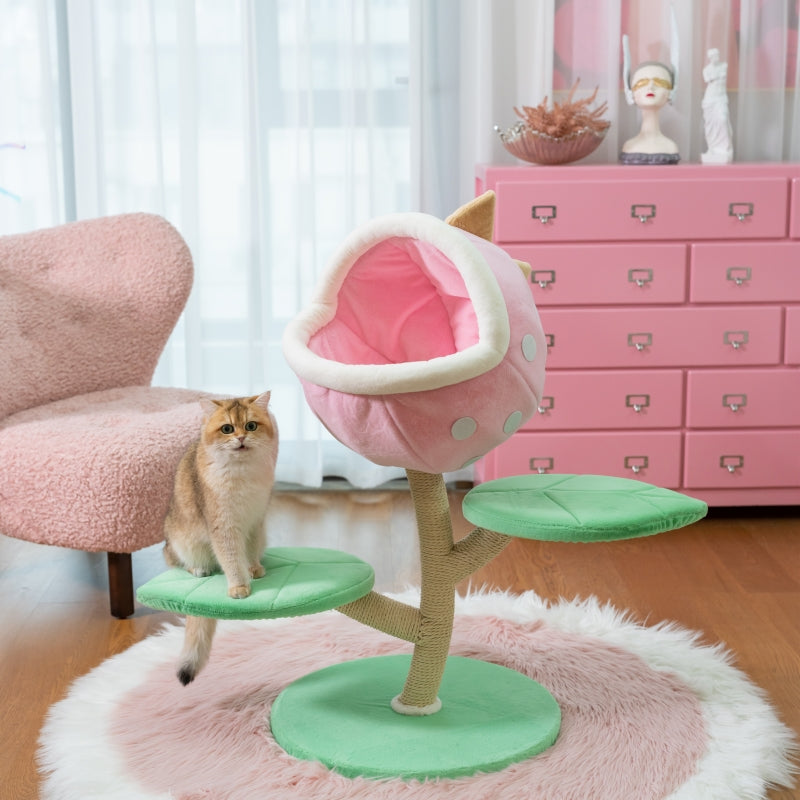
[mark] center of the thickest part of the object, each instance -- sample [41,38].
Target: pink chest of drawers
[671,301]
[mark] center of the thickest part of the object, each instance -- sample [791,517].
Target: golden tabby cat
[219,503]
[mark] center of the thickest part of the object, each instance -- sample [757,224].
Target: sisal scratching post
[437,602]
[443,564]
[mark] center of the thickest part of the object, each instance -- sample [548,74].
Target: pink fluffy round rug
[647,713]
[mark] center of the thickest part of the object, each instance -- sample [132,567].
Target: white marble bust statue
[716,119]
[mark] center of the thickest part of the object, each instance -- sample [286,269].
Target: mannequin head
[651,84]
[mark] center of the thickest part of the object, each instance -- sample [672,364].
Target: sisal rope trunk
[443,564]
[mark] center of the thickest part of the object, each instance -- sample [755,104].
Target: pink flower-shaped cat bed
[422,347]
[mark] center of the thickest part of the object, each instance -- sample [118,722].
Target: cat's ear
[260,400]
[209,406]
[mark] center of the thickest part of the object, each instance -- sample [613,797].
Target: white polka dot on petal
[529,347]
[513,422]
[463,428]
[470,462]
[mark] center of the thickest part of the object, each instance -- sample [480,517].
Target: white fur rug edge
[749,750]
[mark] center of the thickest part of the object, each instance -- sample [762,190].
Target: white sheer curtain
[266,130]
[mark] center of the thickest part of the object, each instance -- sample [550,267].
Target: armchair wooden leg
[120,584]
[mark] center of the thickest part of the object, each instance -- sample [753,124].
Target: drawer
[794,219]
[540,211]
[628,399]
[652,456]
[745,272]
[744,398]
[793,335]
[663,337]
[742,459]
[610,274]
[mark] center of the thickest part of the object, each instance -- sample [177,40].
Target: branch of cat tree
[404,621]
[474,551]
[386,615]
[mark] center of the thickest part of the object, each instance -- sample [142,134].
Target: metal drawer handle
[738,274]
[546,404]
[544,277]
[640,340]
[637,402]
[544,213]
[643,211]
[541,465]
[636,463]
[736,338]
[640,276]
[550,339]
[740,210]
[734,401]
[731,463]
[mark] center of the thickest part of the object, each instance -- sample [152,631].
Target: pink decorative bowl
[540,148]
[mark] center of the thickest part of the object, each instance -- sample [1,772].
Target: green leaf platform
[298,581]
[578,508]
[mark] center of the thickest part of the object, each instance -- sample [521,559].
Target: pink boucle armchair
[88,448]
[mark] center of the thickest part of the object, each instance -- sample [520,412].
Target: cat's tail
[196,647]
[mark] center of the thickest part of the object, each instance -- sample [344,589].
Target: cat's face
[239,426]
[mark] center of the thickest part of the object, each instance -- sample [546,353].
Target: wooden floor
[734,576]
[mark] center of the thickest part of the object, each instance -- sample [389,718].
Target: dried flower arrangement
[567,132]
[567,118]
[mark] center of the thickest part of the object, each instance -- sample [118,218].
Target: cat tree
[422,348]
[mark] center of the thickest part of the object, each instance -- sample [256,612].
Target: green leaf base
[341,716]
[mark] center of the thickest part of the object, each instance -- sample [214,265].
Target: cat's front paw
[238,592]
[257,571]
[199,572]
